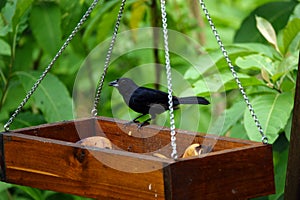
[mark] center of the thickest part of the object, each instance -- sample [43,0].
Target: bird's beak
[114,83]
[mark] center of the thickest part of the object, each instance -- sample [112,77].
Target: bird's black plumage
[149,101]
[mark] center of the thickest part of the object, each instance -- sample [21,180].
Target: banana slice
[193,150]
[96,141]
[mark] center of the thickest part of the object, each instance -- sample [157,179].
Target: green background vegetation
[261,36]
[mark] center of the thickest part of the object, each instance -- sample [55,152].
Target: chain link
[231,67]
[47,69]
[107,60]
[169,78]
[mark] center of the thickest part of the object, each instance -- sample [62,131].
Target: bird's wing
[152,96]
[143,98]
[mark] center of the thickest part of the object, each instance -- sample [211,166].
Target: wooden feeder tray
[48,157]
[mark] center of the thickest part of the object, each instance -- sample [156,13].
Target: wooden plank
[65,131]
[2,160]
[147,140]
[292,186]
[232,174]
[239,168]
[66,167]
[157,139]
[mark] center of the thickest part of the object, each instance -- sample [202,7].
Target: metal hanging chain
[47,69]
[174,154]
[107,60]
[231,67]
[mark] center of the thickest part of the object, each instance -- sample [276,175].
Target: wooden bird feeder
[47,157]
[137,167]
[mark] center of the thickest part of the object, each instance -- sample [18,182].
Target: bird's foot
[142,124]
[130,122]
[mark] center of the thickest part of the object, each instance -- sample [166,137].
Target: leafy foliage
[56,107]
[267,66]
[261,36]
[277,13]
[47,16]
[273,115]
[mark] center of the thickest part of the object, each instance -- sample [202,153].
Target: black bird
[149,101]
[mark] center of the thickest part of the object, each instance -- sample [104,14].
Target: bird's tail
[193,100]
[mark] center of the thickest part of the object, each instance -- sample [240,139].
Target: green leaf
[4,48]
[27,119]
[296,13]
[80,198]
[50,195]
[261,49]
[21,7]
[267,30]
[230,117]
[5,195]
[223,82]
[34,193]
[288,128]
[257,62]
[204,63]
[2,4]
[25,58]
[234,52]
[13,96]
[94,23]
[238,131]
[288,83]
[103,22]
[4,186]
[51,96]
[280,159]
[277,13]
[273,112]
[247,81]
[11,15]
[290,33]
[106,25]
[213,61]
[6,18]
[45,24]
[72,13]
[4,116]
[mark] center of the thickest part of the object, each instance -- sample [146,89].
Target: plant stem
[10,66]
[194,7]
[155,22]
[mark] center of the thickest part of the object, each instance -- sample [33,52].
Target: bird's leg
[146,122]
[134,120]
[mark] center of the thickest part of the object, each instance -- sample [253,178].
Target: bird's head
[124,85]
[121,82]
